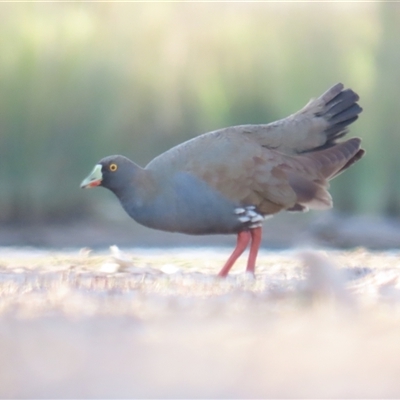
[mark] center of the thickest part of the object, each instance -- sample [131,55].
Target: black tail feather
[340,111]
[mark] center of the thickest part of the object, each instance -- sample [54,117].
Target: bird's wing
[316,126]
[273,181]
[250,174]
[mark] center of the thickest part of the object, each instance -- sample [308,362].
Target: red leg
[256,234]
[243,240]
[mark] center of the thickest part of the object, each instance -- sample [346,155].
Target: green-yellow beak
[94,179]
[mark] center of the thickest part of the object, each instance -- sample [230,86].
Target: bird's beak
[94,179]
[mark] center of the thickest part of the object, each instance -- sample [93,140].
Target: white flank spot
[244,219]
[239,210]
[257,218]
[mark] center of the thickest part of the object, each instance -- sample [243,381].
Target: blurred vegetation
[79,81]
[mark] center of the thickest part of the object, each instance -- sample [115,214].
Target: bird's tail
[329,163]
[339,108]
[334,160]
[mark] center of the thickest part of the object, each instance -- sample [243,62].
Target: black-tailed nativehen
[227,181]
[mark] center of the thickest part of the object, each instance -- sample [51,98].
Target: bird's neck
[140,189]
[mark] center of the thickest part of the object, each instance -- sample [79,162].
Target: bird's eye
[113,167]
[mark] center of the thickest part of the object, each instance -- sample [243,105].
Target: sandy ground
[159,324]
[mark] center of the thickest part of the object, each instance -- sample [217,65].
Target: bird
[230,180]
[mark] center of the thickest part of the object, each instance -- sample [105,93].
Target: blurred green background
[79,81]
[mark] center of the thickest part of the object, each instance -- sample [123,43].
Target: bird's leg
[256,234]
[243,239]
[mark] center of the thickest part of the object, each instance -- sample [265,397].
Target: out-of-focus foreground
[161,325]
[79,81]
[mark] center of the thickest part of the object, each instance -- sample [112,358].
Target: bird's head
[112,172]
